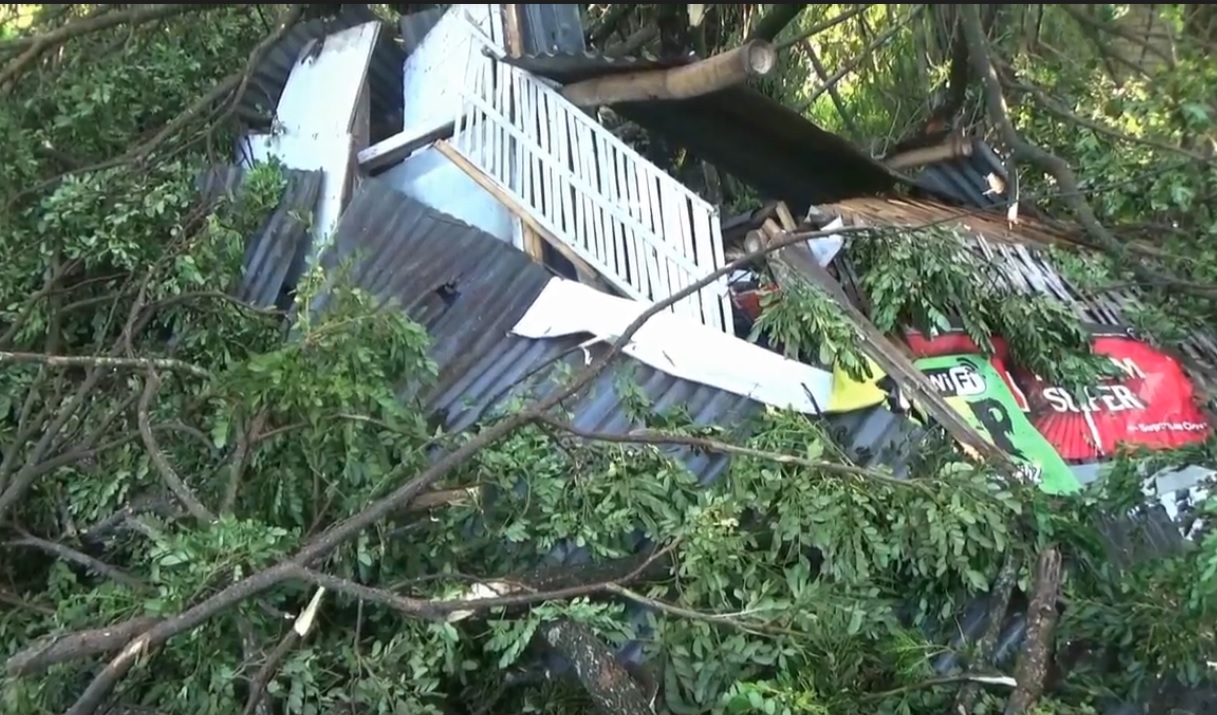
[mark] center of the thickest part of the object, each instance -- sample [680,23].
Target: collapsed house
[453,164]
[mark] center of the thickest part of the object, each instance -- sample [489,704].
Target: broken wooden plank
[791,266]
[587,274]
[752,59]
[531,243]
[785,217]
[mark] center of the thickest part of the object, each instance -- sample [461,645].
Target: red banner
[955,342]
[1153,405]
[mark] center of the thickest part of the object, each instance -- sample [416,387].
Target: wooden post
[729,68]
[513,39]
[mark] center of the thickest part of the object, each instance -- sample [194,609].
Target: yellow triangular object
[849,394]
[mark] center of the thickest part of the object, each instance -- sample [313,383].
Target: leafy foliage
[927,280]
[797,581]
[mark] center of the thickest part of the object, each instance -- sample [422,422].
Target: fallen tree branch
[59,648]
[35,46]
[717,446]
[67,553]
[999,605]
[1059,111]
[1024,151]
[232,87]
[610,685]
[337,534]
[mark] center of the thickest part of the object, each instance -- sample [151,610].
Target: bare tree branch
[102,361]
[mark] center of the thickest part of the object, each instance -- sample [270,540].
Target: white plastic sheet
[678,346]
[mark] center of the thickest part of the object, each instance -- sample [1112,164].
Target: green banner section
[973,387]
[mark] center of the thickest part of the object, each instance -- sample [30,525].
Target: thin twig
[717,446]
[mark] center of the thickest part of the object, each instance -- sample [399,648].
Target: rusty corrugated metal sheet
[274,256]
[468,289]
[266,85]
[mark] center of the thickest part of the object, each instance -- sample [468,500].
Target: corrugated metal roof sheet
[552,27]
[275,256]
[385,86]
[760,141]
[468,289]
[401,249]
[964,179]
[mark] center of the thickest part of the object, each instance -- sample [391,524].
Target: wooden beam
[954,148]
[513,36]
[753,59]
[787,219]
[399,146]
[790,266]
[587,274]
[513,39]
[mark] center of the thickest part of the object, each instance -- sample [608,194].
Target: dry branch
[55,649]
[753,59]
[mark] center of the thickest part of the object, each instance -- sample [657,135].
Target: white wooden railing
[639,228]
